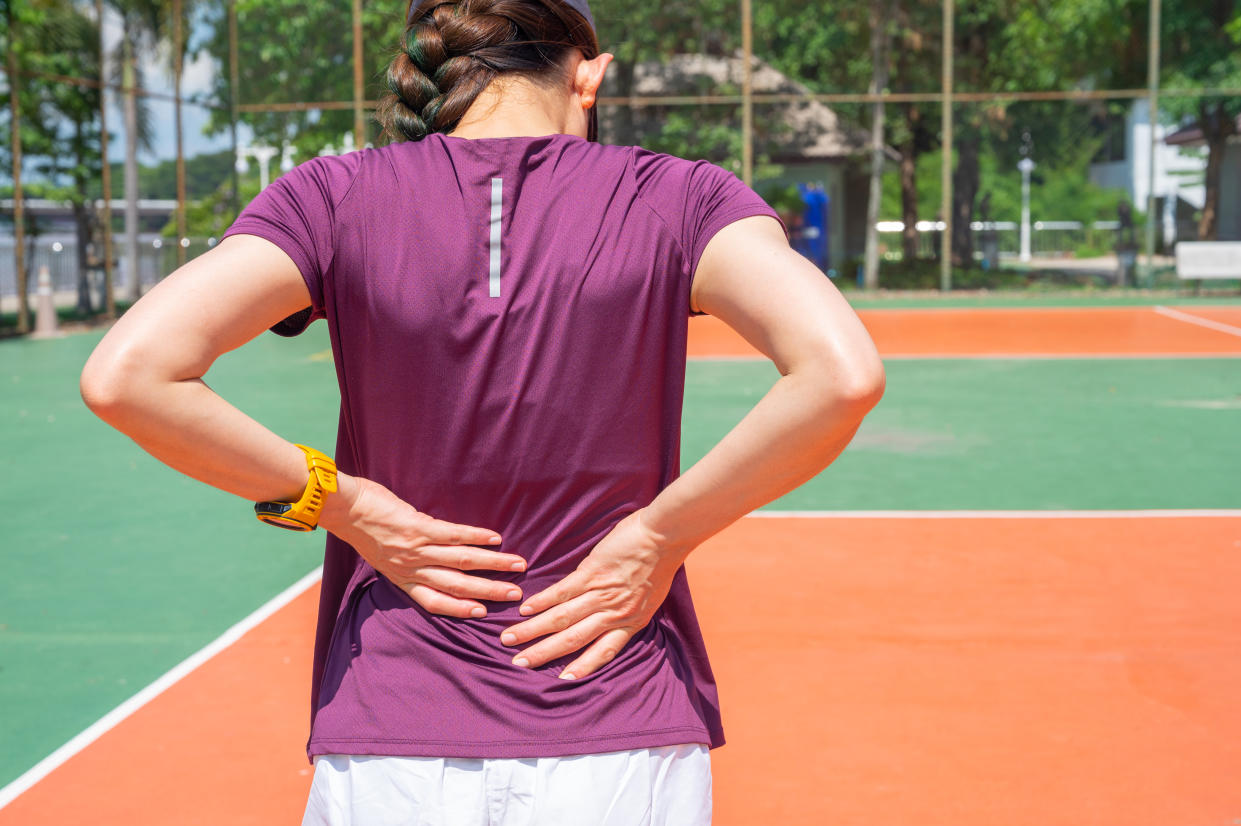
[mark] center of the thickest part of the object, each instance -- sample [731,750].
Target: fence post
[747,94]
[105,168]
[359,123]
[1152,96]
[178,47]
[945,173]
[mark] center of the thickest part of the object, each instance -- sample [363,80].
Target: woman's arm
[145,378]
[831,376]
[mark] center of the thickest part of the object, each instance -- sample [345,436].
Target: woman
[505,629]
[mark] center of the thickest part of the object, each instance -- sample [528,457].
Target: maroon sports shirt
[508,318]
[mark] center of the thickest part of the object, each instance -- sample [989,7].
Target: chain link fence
[782,93]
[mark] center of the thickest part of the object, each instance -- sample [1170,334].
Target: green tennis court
[117,568]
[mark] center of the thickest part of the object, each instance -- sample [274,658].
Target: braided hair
[452,49]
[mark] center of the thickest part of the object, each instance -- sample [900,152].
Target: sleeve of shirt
[297,212]
[696,199]
[716,198]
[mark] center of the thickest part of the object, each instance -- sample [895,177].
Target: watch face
[273,513]
[285,522]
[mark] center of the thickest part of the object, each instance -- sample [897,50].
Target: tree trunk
[909,183]
[15,138]
[131,171]
[965,182]
[82,220]
[1216,127]
[880,37]
[626,132]
[82,230]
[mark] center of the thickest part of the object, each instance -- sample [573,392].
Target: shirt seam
[353,181]
[633,169]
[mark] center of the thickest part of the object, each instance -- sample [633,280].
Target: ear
[588,77]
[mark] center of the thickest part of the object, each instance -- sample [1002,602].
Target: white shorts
[667,786]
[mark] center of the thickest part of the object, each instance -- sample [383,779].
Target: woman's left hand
[610,597]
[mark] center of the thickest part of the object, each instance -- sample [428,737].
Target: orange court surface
[1003,332]
[937,668]
[958,671]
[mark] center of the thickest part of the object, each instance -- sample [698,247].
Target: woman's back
[507,302]
[508,318]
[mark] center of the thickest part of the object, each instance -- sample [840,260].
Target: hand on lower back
[425,557]
[597,609]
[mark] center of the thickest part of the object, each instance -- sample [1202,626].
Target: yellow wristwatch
[303,515]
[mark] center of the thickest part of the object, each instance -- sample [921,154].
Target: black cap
[583,8]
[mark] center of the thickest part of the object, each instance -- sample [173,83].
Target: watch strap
[303,515]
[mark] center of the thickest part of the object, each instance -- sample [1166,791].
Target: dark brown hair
[452,49]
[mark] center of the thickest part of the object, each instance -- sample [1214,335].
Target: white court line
[755,357]
[1057,356]
[1201,322]
[109,721]
[1062,514]
[1007,357]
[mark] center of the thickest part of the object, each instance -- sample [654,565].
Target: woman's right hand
[425,557]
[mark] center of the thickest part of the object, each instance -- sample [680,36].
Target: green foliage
[783,199]
[289,51]
[1057,193]
[59,129]
[1202,48]
[203,175]
[210,216]
[637,31]
[292,51]
[684,133]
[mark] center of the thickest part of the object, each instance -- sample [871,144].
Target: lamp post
[1026,166]
[262,154]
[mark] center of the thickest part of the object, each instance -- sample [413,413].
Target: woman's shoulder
[676,183]
[661,169]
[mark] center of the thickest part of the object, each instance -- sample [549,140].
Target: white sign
[1208,259]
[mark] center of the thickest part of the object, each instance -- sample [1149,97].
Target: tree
[301,57]
[640,32]
[143,23]
[913,132]
[59,132]
[68,40]
[13,24]
[289,51]
[1006,44]
[1202,48]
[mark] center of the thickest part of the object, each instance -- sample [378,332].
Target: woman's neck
[514,108]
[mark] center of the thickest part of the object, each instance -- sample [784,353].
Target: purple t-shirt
[508,318]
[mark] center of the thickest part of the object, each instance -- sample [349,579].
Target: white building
[1228,218]
[1179,173]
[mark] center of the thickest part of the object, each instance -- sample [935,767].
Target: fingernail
[525,610]
[508,639]
[513,594]
[495,540]
[521,662]
[478,612]
[518,566]
[567,675]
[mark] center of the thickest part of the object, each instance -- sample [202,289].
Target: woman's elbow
[108,385]
[850,385]
[100,390]
[863,383]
